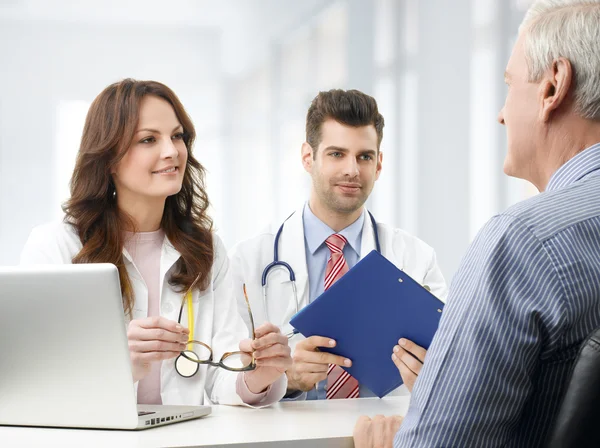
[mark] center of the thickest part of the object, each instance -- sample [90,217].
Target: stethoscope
[277,262]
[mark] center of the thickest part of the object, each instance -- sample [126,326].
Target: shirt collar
[584,163]
[316,231]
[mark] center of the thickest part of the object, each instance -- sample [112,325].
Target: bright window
[70,118]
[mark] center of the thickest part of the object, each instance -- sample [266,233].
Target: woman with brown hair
[138,201]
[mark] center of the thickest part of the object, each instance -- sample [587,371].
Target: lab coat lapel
[168,257]
[385,241]
[140,304]
[368,237]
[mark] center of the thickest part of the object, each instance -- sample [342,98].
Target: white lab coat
[250,257]
[217,321]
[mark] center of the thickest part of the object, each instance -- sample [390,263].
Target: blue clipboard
[366,311]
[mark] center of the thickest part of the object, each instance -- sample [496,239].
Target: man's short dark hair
[348,107]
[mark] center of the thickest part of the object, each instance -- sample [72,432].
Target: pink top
[145,250]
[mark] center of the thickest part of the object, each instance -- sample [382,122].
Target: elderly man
[527,292]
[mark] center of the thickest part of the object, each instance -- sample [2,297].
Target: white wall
[247,70]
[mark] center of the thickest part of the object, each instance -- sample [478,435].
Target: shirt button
[167,307]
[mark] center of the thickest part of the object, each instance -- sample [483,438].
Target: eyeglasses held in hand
[188,362]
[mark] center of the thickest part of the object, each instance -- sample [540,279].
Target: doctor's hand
[153,339]
[272,354]
[310,365]
[409,358]
[376,433]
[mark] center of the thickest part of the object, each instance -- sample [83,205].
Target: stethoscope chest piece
[186,367]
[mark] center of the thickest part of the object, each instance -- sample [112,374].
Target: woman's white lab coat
[216,318]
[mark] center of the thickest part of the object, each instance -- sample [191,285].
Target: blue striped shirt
[526,295]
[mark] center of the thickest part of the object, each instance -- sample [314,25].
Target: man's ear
[307,157]
[555,87]
[379,164]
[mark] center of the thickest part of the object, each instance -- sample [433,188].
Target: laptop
[64,356]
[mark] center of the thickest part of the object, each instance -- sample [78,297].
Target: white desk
[287,425]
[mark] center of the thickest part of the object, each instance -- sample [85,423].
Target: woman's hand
[409,358]
[153,339]
[272,354]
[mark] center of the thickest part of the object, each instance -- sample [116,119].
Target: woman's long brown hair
[92,209]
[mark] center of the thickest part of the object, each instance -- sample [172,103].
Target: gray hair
[569,29]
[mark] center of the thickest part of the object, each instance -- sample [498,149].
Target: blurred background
[247,70]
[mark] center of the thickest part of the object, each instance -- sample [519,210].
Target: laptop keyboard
[140,413]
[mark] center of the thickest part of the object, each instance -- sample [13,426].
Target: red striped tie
[340,384]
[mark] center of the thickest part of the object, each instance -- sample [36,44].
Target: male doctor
[325,237]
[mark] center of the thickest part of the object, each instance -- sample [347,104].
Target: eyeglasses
[188,362]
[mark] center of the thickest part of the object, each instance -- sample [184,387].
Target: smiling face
[155,162]
[345,166]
